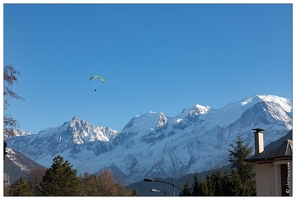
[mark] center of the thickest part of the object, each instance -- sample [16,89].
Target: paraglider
[101,78]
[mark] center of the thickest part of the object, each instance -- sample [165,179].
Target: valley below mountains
[155,145]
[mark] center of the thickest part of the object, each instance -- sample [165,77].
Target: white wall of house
[265,181]
[268,178]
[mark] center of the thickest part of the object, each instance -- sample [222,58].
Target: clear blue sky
[161,57]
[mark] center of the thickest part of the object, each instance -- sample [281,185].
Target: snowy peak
[162,121]
[16,133]
[83,132]
[251,100]
[194,111]
[80,130]
[146,122]
[198,110]
[77,131]
[275,113]
[282,102]
[279,108]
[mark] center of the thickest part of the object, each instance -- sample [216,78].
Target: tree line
[238,181]
[61,180]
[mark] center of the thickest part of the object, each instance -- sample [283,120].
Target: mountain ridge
[18,165]
[152,144]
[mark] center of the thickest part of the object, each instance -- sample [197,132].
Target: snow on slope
[154,145]
[12,157]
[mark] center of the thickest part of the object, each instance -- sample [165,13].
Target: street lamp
[164,192]
[154,180]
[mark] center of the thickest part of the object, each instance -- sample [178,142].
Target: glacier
[155,145]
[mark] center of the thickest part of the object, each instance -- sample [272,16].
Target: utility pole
[173,186]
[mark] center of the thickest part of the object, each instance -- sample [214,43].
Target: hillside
[18,165]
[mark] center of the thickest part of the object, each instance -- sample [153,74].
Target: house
[273,168]
[6,179]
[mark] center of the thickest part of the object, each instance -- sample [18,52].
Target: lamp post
[164,192]
[155,180]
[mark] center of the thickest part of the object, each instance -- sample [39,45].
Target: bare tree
[108,186]
[106,182]
[10,77]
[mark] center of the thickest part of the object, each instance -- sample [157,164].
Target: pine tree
[60,180]
[226,182]
[217,183]
[186,189]
[237,188]
[245,170]
[207,186]
[21,188]
[196,186]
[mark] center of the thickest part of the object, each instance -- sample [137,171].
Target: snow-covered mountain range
[155,145]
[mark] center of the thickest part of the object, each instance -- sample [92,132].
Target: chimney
[259,142]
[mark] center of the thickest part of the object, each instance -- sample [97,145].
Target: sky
[153,57]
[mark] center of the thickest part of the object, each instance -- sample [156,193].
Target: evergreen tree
[217,183]
[21,188]
[186,189]
[196,186]
[207,186]
[226,182]
[245,170]
[237,188]
[60,180]
[236,157]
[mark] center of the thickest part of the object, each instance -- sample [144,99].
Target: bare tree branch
[10,77]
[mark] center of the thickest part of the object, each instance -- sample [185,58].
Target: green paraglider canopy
[101,78]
